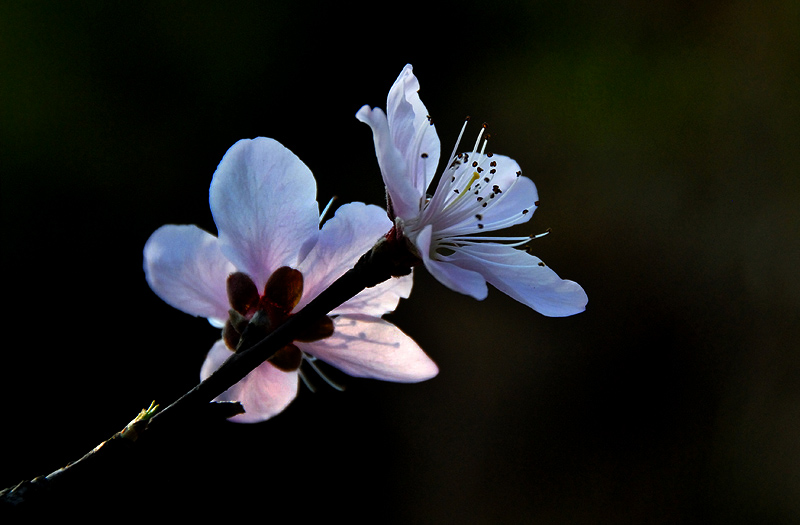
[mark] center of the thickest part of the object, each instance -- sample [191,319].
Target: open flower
[270,259]
[478,192]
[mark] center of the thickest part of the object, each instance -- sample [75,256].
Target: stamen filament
[458,141]
[478,141]
[327,208]
[310,360]
[471,238]
[306,381]
[474,241]
[485,143]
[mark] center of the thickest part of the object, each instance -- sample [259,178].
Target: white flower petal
[470,200]
[344,238]
[412,131]
[405,198]
[458,279]
[508,197]
[378,300]
[514,206]
[263,199]
[264,392]
[477,193]
[365,346]
[523,277]
[185,267]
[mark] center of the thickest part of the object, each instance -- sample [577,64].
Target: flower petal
[412,131]
[514,206]
[185,267]
[344,238]
[502,199]
[378,300]
[264,392]
[523,277]
[454,277]
[263,199]
[405,198]
[365,346]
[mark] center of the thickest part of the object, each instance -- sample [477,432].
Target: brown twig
[388,258]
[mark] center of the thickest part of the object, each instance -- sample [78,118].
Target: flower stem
[386,259]
[374,267]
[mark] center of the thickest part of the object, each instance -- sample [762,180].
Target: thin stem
[371,269]
[389,257]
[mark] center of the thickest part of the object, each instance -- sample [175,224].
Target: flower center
[468,198]
[253,315]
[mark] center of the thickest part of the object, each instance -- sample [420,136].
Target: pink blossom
[263,200]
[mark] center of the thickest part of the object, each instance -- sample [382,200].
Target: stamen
[423,200]
[529,248]
[469,240]
[458,141]
[478,141]
[464,240]
[306,381]
[467,173]
[327,208]
[485,142]
[419,136]
[310,360]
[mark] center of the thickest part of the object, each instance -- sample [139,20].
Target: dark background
[663,138]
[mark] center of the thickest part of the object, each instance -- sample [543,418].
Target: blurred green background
[664,138]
